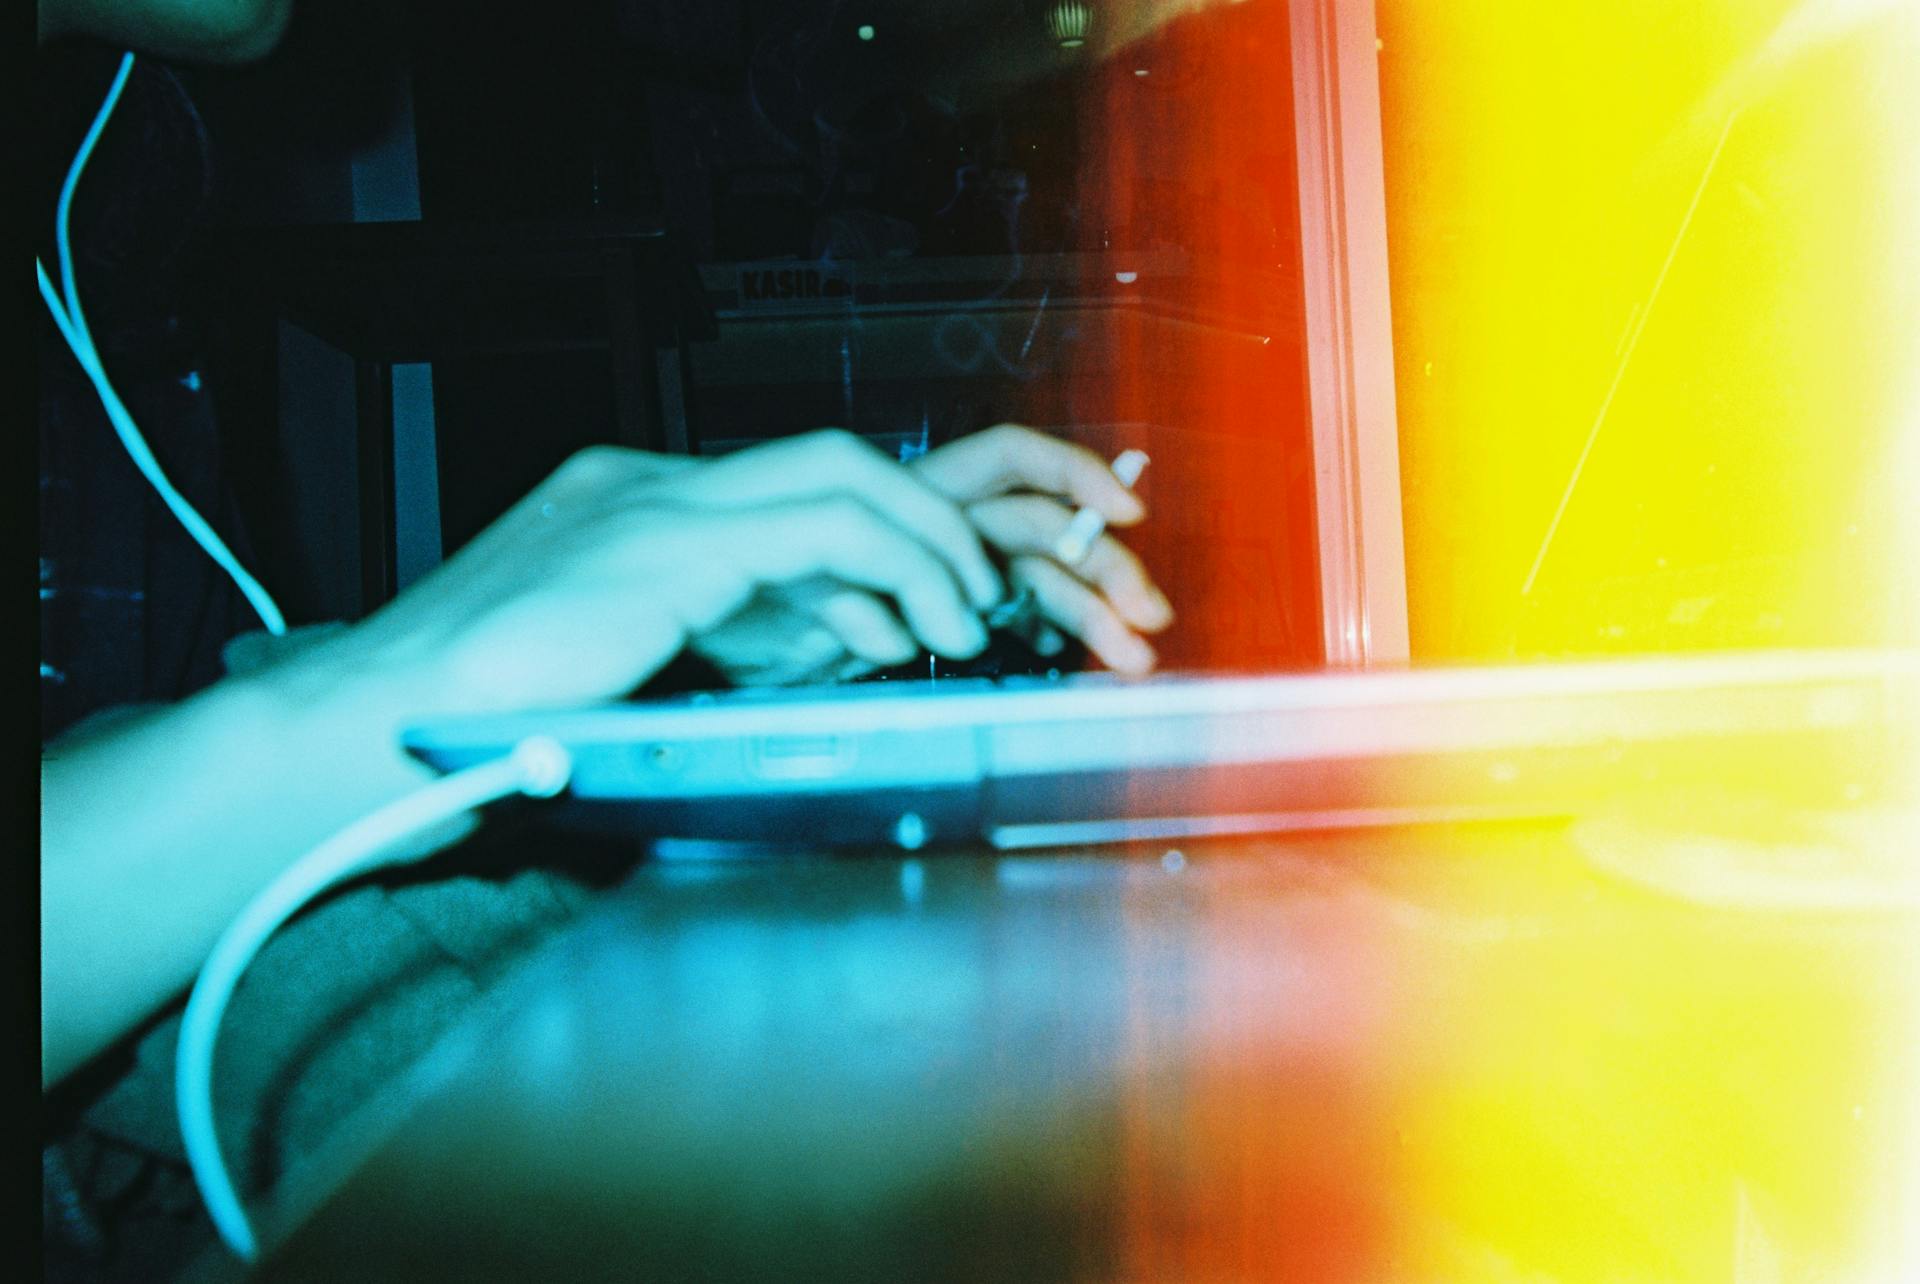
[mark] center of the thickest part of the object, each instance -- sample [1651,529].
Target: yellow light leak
[1655,275]
[1654,317]
[1656,289]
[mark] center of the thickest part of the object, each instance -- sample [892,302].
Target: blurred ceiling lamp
[1069,21]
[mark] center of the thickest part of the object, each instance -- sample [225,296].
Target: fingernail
[973,635]
[1132,655]
[890,650]
[988,590]
[817,644]
[1146,609]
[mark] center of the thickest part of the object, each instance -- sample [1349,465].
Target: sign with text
[787,286]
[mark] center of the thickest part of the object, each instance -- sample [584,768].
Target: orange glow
[1656,330]
[1477,1059]
[1191,169]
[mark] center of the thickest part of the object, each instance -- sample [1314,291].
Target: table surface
[1604,1051]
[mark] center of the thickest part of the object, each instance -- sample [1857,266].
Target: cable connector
[545,766]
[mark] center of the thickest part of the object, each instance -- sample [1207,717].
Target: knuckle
[596,464]
[1017,436]
[1001,443]
[837,443]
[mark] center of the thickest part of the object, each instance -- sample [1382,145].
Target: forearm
[156,831]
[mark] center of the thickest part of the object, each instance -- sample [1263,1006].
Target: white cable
[63,212]
[72,323]
[538,766]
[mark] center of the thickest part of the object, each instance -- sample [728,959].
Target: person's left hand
[1018,488]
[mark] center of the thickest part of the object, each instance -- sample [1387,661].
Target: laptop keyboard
[895,687]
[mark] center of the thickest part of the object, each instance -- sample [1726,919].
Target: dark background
[750,131]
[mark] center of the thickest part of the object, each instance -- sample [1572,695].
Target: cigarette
[1088,523]
[1020,613]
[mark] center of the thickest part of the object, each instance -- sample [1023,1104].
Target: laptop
[1027,761]
[1024,762]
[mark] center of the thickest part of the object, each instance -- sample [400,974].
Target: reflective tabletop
[1588,1051]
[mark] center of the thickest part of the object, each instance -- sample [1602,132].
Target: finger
[866,627]
[1011,457]
[1032,524]
[856,620]
[771,641]
[1085,614]
[831,461]
[840,536]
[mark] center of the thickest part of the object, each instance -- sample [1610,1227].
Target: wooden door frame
[1350,393]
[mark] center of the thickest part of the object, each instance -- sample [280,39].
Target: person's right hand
[608,568]
[1019,489]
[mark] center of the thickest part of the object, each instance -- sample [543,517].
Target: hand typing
[805,557]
